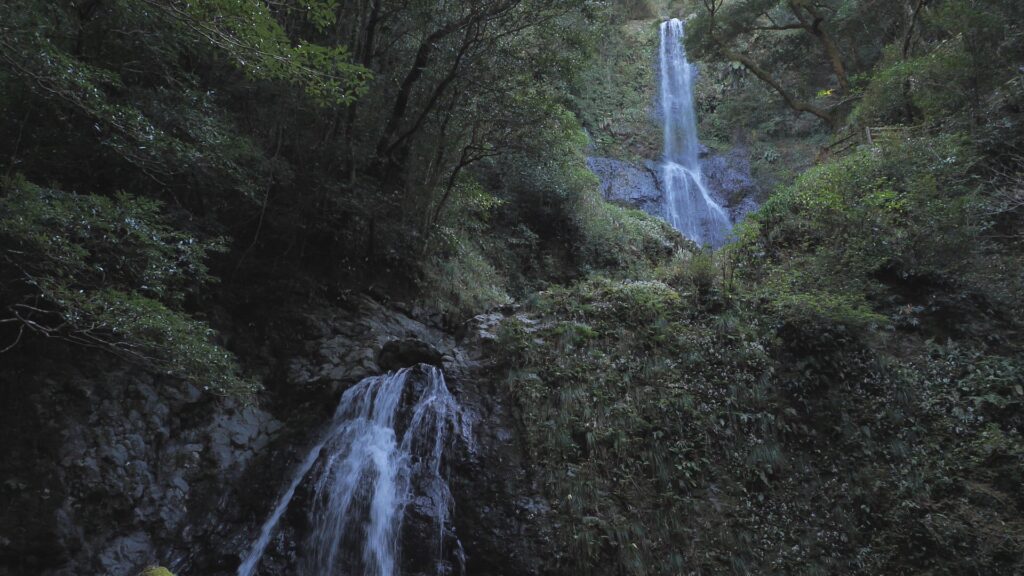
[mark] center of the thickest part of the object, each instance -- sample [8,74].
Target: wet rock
[110,477]
[485,327]
[233,436]
[728,178]
[126,468]
[126,554]
[726,174]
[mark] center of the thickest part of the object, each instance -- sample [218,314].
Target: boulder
[405,352]
[628,184]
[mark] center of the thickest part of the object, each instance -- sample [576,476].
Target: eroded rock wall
[109,468]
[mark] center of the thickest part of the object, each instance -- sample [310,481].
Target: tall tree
[784,42]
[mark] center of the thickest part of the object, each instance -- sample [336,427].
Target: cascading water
[367,475]
[688,206]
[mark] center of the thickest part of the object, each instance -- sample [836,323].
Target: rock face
[629,185]
[726,175]
[501,515]
[109,468]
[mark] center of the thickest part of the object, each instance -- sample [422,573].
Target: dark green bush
[108,273]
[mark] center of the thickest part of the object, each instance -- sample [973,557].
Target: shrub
[463,282]
[905,210]
[619,239]
[109,273]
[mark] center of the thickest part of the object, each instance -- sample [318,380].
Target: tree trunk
[813,25]
[791,100]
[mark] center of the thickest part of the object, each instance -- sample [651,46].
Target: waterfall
[688,206]
[368,474]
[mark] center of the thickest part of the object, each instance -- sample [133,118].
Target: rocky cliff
[727,175]
[109,468]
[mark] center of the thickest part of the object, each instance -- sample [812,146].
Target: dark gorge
[503,287]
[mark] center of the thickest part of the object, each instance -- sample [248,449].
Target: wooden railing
[850,137]
[882,134]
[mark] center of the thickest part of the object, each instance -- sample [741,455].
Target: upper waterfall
[688,206]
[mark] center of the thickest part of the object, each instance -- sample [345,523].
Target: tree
[110,274]
[112,96]
[453,88]
[795,39]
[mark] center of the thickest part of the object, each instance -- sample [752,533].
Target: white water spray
[688,206]
[366,478]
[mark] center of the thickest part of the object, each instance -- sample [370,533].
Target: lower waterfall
[363,472]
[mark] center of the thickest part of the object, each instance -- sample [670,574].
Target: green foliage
[109,273]
[604,236]
[90,111]
[961,75]
[700,272]
[550,223]
[616,238]
[35,52]
[463,282]
[782,406]
[905,90]
[818,320]
[778,426]
[900,230]
[638,301]
[614,96]
[94,239]
[838,392]
[258,44]
[905,210]
[779,398]
[546,223]
[606,381]
[634,9]
[240,118]
[156,571]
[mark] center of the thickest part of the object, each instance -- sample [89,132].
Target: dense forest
[202,199]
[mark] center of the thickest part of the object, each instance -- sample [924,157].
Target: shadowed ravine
[511,288]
